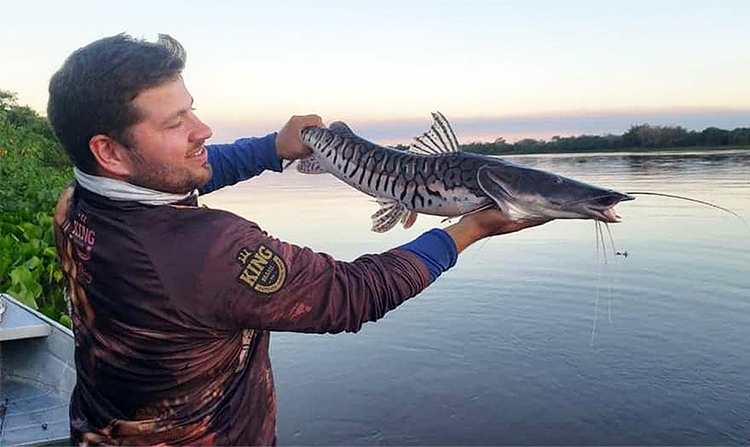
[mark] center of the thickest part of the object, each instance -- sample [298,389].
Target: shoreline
[631,151]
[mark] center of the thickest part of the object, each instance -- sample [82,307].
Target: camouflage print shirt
[172,308]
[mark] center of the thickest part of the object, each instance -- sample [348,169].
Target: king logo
[262,270]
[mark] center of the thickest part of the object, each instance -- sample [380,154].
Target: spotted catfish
[435,177]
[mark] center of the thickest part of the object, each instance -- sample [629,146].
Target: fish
[436,177]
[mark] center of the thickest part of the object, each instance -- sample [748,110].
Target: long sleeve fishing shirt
[172,308]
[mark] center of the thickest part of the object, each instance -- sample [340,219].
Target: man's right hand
[289,144]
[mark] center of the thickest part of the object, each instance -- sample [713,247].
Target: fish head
[523,192]
[599,204]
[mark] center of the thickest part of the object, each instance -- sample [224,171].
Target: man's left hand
[289,139]
[490,222]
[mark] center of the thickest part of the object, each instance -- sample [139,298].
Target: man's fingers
[303,121]
[288,141]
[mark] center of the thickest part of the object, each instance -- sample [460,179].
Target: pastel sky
[494,68]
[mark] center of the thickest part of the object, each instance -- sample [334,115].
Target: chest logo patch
[262,270]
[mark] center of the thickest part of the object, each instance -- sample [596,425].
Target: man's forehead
[163,99]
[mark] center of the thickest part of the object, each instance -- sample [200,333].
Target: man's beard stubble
[165,178]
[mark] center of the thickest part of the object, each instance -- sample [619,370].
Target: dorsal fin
[439,139]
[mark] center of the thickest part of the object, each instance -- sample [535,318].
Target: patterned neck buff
[123,191]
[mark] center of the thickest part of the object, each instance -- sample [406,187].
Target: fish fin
[408,219]
[493,188]
[390,213]
[341,128]
[310,165]
[439,139]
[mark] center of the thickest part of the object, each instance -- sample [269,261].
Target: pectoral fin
[492,186]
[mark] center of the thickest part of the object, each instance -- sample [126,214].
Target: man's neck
[120,190]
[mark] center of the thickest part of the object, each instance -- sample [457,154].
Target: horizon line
[520,126]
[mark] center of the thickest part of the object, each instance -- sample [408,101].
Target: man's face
[168,152]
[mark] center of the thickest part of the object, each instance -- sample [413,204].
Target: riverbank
[619,151]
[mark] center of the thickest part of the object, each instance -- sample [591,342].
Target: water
[501,349]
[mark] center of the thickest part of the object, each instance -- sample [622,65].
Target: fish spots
[347,152]
[452,177]
[364,161]
[390,165]
[417,197]
[408,170]
[440,168]
[426,166]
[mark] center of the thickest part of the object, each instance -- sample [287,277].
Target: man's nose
[201,131]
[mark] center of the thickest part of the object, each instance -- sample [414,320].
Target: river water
[532,338]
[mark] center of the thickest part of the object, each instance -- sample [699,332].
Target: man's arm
[241,160]
[248,157]
[244,278]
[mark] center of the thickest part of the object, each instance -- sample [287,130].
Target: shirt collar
[124,191]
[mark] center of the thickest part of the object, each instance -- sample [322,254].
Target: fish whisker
[689,199]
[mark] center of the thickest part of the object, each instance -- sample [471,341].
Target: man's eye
[175,125]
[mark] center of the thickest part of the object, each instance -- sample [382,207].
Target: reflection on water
[500,349]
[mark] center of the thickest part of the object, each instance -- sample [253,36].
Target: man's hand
[485,223]
[289,139]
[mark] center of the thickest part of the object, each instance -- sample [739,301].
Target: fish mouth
[607,215]
[606,209]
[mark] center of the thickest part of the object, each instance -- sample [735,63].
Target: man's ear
[111,156]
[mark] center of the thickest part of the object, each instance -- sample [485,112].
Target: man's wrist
[268,154]
[464,233]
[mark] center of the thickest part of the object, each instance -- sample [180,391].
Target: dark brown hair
[92,93]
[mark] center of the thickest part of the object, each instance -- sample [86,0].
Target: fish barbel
[435,177]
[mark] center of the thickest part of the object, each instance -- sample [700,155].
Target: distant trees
[641,137]
[638,137]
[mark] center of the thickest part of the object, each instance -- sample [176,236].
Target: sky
[528,69]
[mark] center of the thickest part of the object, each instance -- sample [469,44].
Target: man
[172,303]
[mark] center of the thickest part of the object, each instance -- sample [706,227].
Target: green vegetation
[33,171]
[640,138]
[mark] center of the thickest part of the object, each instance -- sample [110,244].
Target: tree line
[638,138]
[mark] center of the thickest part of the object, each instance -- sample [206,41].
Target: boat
[37,376]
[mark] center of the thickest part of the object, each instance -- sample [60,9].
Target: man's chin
[206,178]
[161,183]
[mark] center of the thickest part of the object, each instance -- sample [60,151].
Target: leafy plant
[33,171]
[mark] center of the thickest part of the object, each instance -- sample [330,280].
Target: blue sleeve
[436,249]
[241,160]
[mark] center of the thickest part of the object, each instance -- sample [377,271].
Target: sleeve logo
[262,270]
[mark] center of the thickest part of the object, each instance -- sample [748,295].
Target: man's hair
[93,91]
